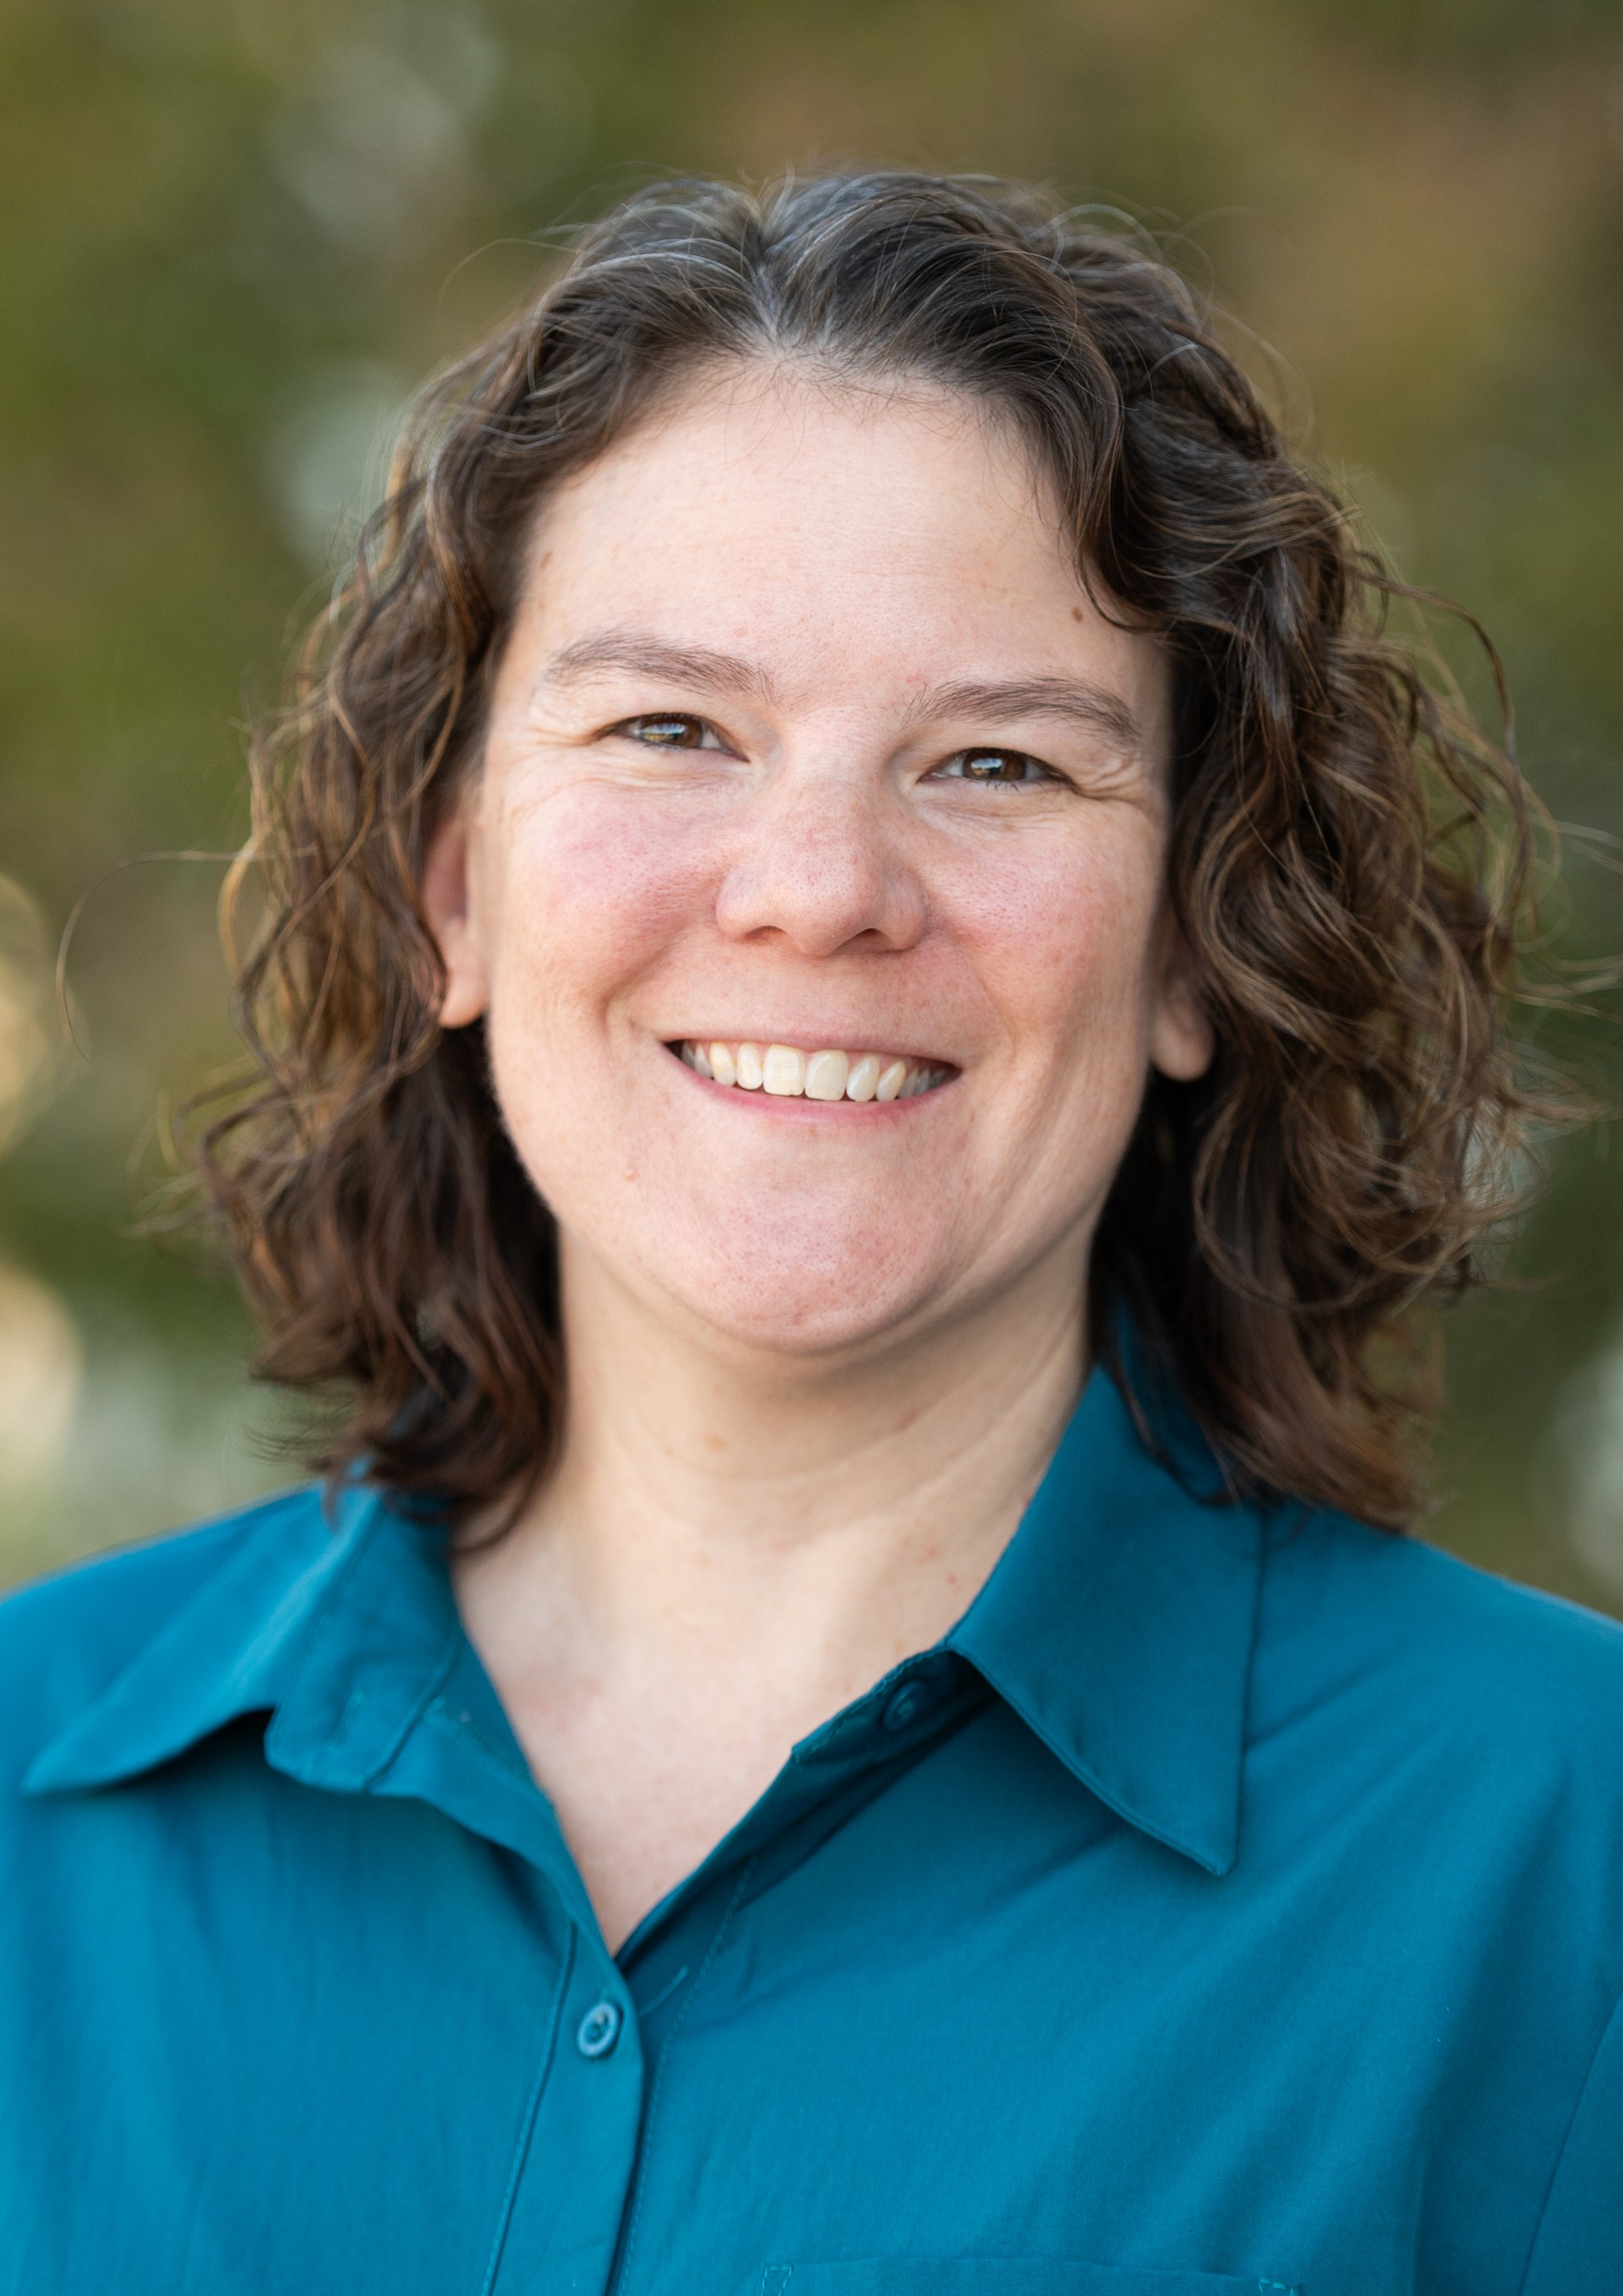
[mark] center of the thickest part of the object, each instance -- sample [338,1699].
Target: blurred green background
[238,232]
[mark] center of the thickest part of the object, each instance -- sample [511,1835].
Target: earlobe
[447,903]
[1181,1038]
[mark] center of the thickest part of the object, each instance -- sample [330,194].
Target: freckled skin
[815,876]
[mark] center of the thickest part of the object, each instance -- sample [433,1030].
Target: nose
[822,863]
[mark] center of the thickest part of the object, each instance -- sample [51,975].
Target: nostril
[825,883]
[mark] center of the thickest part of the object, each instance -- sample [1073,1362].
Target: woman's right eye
[666,731]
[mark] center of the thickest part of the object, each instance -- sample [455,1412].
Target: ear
[447,876]
[1181,1038]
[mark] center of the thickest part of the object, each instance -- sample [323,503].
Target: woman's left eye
[994,768]
[670,732]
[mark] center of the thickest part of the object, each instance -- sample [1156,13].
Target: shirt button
[904,1707]
[598,2030]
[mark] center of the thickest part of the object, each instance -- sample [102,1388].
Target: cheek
[1062,939]
[596,886]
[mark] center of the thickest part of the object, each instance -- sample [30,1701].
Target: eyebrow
[647,657]
[1072,700]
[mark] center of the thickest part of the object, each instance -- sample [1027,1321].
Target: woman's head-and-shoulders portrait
[879,994]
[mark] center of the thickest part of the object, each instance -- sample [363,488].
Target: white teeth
[827,1074]
[784,1071]
[787,1073]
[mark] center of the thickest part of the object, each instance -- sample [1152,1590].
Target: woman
[867,1034]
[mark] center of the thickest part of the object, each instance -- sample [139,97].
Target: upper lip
[810,1040]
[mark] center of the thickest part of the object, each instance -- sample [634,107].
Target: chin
[821,1301]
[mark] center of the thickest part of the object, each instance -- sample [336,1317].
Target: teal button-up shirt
[1232,1901]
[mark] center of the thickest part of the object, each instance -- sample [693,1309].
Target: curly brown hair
[1348,858]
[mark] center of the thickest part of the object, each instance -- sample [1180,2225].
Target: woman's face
[808,737]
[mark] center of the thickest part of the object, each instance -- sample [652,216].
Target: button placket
[577,2176]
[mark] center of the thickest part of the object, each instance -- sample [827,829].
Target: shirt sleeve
[1579,2240]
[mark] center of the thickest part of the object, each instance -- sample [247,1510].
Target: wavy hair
[1348,858]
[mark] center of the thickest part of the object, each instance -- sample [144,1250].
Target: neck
[733,1546]
[852,1508]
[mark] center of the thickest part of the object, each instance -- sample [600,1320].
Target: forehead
[859,459]
[874,533]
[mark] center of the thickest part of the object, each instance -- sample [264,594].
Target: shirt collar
[1118,1623]
[341,1628]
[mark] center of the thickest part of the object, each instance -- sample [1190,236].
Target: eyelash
[692,733]
[638,729]
[962,758]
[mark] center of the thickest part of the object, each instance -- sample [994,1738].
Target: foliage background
[240,230]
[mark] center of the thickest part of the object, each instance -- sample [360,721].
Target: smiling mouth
[789,1073]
